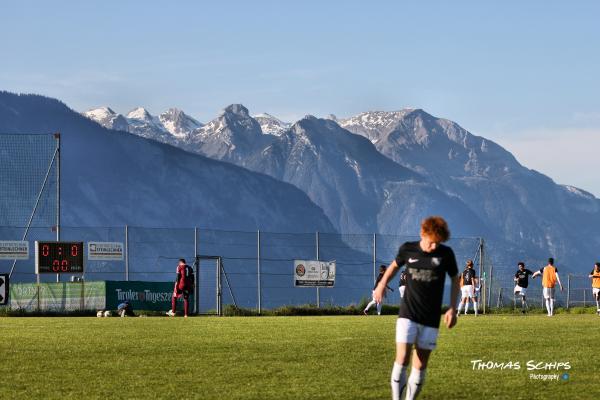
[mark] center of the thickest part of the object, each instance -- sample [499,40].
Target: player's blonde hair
[436,228]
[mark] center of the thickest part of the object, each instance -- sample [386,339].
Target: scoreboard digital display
[58,257]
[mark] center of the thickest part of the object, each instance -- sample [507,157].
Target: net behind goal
[28,180]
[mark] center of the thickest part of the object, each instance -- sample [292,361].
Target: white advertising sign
[105,251]
[14,250]
[310,273]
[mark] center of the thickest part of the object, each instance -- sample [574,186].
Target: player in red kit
[184,285]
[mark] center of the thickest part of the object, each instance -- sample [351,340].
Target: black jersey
[523,277]
[425,277]
[403,277]
[467,276]
[378,279]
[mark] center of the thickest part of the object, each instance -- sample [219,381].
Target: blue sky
[524,74]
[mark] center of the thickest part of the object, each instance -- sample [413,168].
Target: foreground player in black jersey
[427,263]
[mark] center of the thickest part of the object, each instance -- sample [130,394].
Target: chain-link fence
[257,267]
[500,276]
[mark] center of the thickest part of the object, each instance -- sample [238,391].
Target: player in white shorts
[595,275]
[402,287]
[521,284]
[549,279]
[427,263]
[373,302]
[468,281]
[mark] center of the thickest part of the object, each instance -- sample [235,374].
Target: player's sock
[378,308]
[398,380]
[174,304]
[475,307]
[467,307]
[371,303]
[548,306]
[186,306]
[415,383]
[551,306]
[460,307]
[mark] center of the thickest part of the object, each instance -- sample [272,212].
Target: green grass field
[343,357]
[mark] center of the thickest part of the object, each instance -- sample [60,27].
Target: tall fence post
[259,286]
[499,298]
[491,284]
[57,137]
[568,290]
[374,258]
[196,273]
[482,274]
[126,252]
[317,246]
[219,287]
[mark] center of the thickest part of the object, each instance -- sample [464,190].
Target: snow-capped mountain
[145,125]
[173,121]
[172,127]
[106,117]
[416,139]
[341,172]
[359,189]
[271,125]
[232,136]
[522,205]
[178,123]
[409,164]
[110,178]
[372,124]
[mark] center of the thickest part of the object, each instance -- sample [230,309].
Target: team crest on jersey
[423,275]
[436,261]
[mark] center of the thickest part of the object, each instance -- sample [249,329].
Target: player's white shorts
[595,291]
[407,331]
[548,292]
[373,295]
[402,291]
[467,291]
[520,290]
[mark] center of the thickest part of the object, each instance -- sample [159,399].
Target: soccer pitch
[288,357]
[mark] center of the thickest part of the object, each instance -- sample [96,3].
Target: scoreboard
[58,257]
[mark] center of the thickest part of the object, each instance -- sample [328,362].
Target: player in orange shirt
[549,279]
[595,275]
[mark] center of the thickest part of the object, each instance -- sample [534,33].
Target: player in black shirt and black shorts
[427,263]
[522,282]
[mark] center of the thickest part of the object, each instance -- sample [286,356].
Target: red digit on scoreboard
[64,266]
[74,250]
[55,265]
[45,250]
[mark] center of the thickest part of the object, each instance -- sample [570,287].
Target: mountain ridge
[457,173]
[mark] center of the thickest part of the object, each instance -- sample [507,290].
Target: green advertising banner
[93,296]
[155,296]
[58,296]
